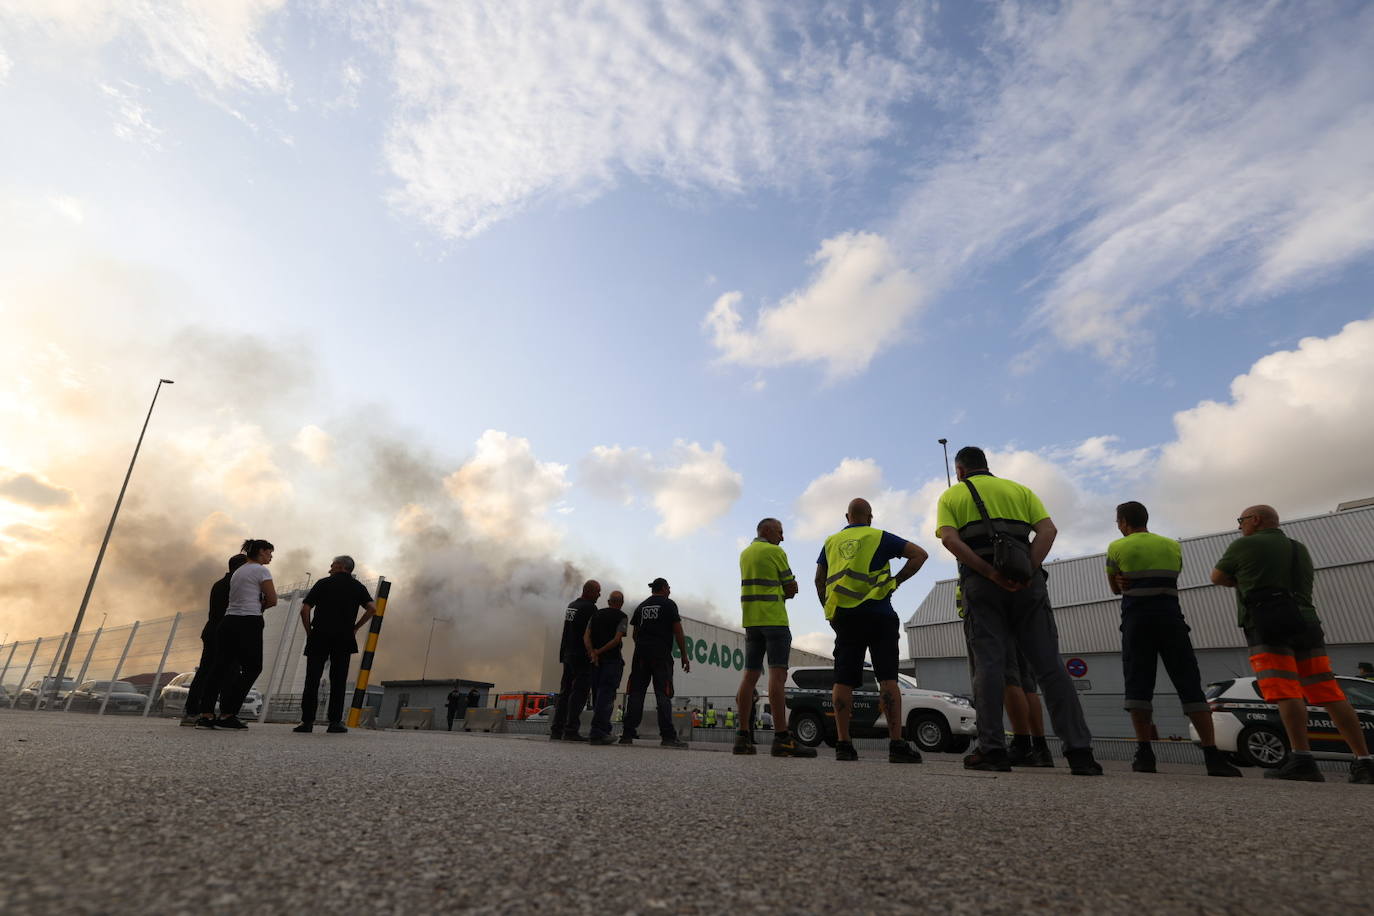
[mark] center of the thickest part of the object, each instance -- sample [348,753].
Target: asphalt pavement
[105,815]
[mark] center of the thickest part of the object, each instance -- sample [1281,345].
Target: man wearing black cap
[196,697]
[656,624]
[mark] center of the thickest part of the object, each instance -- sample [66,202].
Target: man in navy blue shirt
[869,626]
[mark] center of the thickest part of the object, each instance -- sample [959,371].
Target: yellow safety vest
[849,582]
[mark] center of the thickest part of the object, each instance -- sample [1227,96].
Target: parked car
[29,697]
[124,697]
[1249,729]
[935,720]
[172,700]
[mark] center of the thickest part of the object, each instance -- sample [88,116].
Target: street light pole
[99,557]
[944,443]
[432,622]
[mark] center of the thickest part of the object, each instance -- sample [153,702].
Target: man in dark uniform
[656,624]
[219,600]
[330,638]
[605,632]
[457,704]
[474,701]
[577,666]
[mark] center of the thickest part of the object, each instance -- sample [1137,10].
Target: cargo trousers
[1000,621]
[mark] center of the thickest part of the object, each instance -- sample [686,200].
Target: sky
[499,296]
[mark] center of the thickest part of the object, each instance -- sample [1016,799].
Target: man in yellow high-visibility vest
[855,586]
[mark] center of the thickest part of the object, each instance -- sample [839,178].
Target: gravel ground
[139,816]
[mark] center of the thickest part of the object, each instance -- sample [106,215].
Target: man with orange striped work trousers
[1272,575]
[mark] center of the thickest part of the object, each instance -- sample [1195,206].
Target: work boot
[573,736]
[1299,769]
[1144,762]
[230,722]
[1217,764]
[1019,753]
[205,722]
[188,721]
[1040,757]
[901,752]
[993,761]
[676,744]
[1362,772]
[626,739]
[337,728]
[601,741]
[784,745]
[304,728]
[555,736]
[1081,761]
[743,745]
[844,750]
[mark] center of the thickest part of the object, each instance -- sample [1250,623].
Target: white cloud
[1296,434]
[6,65]
[820,642]
[1167,155]
[505,493]
[315,444]
[213,44]
[821,507]
[234,459]
[503,104]
[855,306]
[131,116]
[70,207]
[690,487]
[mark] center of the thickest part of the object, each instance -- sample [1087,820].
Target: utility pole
[99,557]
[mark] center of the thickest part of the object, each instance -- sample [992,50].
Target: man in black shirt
[656,625]
[196,698]
[602,639]
[457,705]
[577,666]
[330,638]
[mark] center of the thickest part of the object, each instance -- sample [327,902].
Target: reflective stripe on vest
[850,582]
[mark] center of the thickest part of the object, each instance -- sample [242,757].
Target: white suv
[172,700]
[935,720]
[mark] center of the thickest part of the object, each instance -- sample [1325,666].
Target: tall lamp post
[95,571]
[432,622]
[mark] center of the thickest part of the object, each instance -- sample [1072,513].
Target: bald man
[855,586]
[577,665]
[1273,575]
[603,637]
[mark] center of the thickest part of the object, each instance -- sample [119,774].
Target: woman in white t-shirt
[238,659]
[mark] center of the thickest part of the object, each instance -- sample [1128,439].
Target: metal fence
[148,654]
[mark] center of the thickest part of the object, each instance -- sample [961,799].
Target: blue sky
[625,278]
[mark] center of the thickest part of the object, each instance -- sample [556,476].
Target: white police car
[935,720]
[1249,729]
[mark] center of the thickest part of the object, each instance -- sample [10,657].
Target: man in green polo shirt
[1289,657]
[1143,568]
[1006,615]
[766,583]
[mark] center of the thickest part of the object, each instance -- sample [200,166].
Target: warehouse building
[1089,616]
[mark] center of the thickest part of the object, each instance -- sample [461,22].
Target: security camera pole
[90,586]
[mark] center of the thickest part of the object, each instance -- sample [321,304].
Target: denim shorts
[775,642]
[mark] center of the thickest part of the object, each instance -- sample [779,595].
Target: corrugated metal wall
[1088,614]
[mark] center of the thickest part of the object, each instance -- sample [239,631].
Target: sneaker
[901,752]
[1081,762]
[573,736]
[626,739]
[1300,769]
[844,750]
[1144,764]
[743,745]
[676,744]
[231,722]
[1020,756]
[336,728]
[205,723]
[304,728]
[1362,772]
[993,761]
[1040,757]
[188,721]
[784,745]
[601,740]
[1218,765]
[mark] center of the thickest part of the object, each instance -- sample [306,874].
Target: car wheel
[958,744]
[1262,746]
[806,727]
[930,732]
